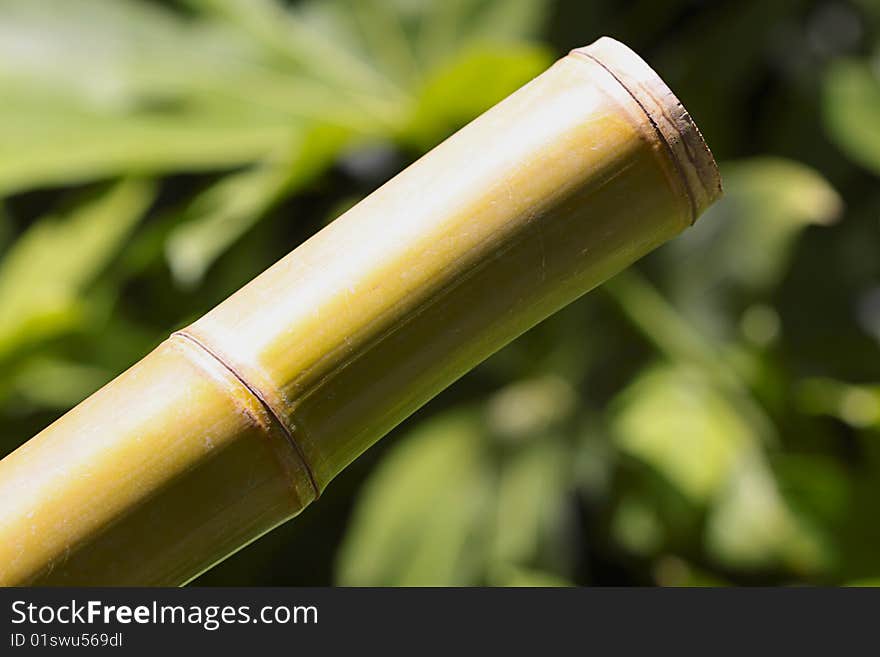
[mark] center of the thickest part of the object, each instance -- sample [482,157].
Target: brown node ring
[684,143]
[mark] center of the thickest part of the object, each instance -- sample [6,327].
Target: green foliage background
[711,416]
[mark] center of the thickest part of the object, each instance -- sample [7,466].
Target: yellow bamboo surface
[237,422]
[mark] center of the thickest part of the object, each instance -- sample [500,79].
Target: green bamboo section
[239,421]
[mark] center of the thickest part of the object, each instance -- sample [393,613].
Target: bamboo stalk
[236,423]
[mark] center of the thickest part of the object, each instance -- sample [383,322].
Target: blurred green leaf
[316,39]
[400,48]
[44,274]
[43,146]
[816,487]
[637,526]
[531,407]
[679,339]
[851,104]
[529,577]
[217,217]
[530,508]
[742,244]
[433,512]
[421,518]
[448,28]
[856,405]
[150,92]
[675,421]
[469,84]
[674,571]
[752,526]
[55,383]
[427,33]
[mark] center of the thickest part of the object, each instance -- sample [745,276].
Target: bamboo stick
[236,423]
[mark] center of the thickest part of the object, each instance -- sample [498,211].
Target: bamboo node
[259,397]
[683,141]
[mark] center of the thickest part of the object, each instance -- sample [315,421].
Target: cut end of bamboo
[686,147]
